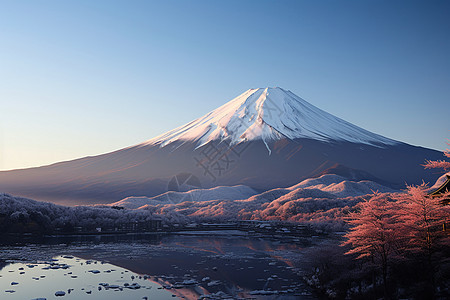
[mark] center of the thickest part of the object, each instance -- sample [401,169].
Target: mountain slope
[264,139]
[222,193]
[325,186]
[268,114]
[311,201]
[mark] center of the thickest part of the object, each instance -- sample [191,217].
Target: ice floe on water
[186,267]
[59,282]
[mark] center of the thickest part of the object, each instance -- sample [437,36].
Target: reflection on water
[75,278]
[191,267]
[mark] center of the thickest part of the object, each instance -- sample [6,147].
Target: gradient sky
[81,78]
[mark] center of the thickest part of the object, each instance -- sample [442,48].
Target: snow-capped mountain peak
[268,114]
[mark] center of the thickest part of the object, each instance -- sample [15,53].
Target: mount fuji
[265,138]
[269,115]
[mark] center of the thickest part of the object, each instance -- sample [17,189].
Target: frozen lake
[219,265]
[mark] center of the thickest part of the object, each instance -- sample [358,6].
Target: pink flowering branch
[439,164]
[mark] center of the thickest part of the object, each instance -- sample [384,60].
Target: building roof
[444,188]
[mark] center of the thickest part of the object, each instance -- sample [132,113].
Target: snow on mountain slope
[268,114]
[353,189]
[326,202]
[324,187]
[341,187]
[225,193]
[319,182]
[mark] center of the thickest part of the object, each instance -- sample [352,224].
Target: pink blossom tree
[390,226]
[425,213]
[439,164]
[375,234]
[422,217]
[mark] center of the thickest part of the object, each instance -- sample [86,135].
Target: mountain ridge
[219,155]
[325,186]
[268,114]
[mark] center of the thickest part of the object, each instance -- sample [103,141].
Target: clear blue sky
[81,78]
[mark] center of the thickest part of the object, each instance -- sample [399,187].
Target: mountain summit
[265,138]
[268,114]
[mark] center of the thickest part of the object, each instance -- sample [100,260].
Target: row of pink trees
[395,227]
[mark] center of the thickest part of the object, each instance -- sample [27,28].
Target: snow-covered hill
[341,187]
[326,186]
[222,193]
[320,200]
[268,114]
[325,201]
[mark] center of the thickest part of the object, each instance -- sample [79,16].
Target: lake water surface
[218,265]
